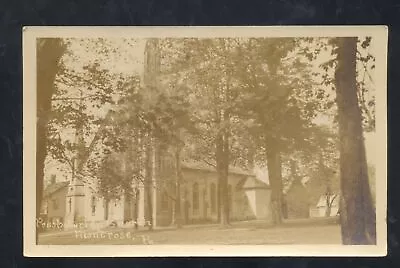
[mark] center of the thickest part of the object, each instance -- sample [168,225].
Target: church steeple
[76,192]
[152,63]
[151,74]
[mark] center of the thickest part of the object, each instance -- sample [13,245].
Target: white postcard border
[30,34]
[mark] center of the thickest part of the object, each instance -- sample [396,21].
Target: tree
[49,54]
[351,64]
[279,104]
[206,67]
[76,125]
[320,165]
[152,119]
[357,211]
[84,93]
[248,94]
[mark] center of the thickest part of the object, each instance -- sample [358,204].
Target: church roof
[206,167]
[54,187]
[252,183]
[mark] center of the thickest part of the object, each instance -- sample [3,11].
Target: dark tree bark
[225,173]
[149,182]
[178,174]
[357,210]
[136,207]
[274,164]
[218,199]
[49,53]
[222,156]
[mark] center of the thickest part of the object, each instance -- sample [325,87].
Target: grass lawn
[251,232]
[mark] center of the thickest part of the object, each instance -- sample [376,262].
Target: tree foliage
[224,101]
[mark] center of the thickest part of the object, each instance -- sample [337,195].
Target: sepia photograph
[205,141]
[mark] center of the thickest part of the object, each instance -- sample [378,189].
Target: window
[105,204]
[53,179]
[205,204]
[70,204]
[213,196]
[230,197]
[195,197]
[55,203]
[93,205]
[162,163]
[164,201]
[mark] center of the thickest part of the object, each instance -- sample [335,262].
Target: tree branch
[209,163]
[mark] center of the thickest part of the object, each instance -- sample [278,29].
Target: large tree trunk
[225,172]
[178,174]
[49,53]
[149,183]
[218,199]
[274,164]
[222,156]
[357,211]
[136,207]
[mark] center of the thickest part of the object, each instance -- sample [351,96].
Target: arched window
[93,205]
[195,197]
[213,197]
[230,198]
[70,204]
[106,208]
[164,201]
[55,204]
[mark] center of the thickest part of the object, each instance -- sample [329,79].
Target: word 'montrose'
[145,239]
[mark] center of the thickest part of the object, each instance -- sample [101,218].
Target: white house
[320,209]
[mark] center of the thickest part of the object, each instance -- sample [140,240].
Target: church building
[153,200]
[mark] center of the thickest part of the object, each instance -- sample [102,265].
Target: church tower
[147,210]
[75,205]
[152,63]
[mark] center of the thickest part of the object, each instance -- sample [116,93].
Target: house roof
[54,187]
[206,167]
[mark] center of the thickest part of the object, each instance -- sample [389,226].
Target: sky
[124,56]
